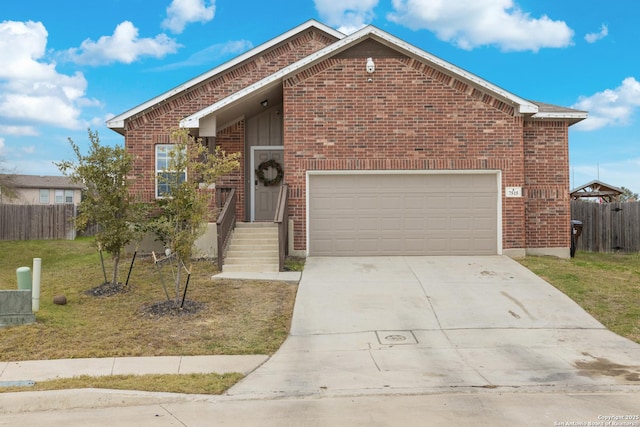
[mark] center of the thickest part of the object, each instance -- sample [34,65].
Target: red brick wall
[152,126]
[409,117]
[548,209]
[231,140]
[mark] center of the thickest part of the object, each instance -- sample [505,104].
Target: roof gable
[117,123]
[367,41]
[374,38]
[596,188]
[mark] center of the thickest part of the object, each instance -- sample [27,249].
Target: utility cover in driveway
[403,214]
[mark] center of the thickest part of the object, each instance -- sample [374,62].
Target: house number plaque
[513,192]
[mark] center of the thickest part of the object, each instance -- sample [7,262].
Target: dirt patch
[107,289]
[172,308]
[600,366]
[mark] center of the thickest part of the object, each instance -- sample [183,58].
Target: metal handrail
[225,224]
[282,219]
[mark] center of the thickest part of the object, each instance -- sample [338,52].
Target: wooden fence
[37,222]
[608,227]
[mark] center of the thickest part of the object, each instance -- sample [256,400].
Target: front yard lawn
[607,286]
[237,317]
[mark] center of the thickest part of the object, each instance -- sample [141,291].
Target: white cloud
[1,146]
[472,23]
[182,12]
[610,107]
[347,15]
[594,37]
[31,89]
[97,122]
[18,130]
[123,46]
[210,54]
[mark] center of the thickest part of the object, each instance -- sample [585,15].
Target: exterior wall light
[371,67]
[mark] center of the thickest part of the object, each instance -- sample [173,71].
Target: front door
[265,197]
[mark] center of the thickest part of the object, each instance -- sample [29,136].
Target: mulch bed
[107,289]
[172,308]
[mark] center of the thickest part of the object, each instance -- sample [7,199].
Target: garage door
[403,214]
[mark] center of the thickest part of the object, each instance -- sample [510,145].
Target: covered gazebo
[597,189]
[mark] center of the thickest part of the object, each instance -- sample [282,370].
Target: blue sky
[68,65]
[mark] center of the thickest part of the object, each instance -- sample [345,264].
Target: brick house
[386,149]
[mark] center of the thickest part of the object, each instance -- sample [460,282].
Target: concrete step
[254,268]
[263,252]
[256,230]
[253,248]
[244,242]
[250,247]
[256,237]
[263,224]
[246,259]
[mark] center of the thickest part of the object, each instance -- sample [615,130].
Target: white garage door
[403,214]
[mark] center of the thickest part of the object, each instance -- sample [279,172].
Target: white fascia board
[524,106]
[578,115]
[193,120]
[117,122]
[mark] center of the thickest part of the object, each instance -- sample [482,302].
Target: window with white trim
[44,196]
[59,196]
[68,196]
[163,174]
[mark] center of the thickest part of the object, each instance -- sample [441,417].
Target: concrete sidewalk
[280,276]
[42,370]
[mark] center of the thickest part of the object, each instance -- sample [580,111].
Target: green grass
[239,317]
[294,263]
[607,286]
[185,383]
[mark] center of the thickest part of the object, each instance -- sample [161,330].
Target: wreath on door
[266,165]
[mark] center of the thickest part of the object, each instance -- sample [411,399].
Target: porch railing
[282,219]
[225,224]
[222,193]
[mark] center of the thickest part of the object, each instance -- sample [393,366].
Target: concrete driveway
[407,325]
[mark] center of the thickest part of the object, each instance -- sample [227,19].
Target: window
[68,196]
[44,196]
[164,176]
[59,196]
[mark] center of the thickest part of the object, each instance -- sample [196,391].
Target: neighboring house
[43,190]
[386,149]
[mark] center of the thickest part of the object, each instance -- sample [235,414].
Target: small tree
[184,208]
[7,185]
[107,200]
[628,195]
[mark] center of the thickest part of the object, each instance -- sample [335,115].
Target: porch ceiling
[235,107]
